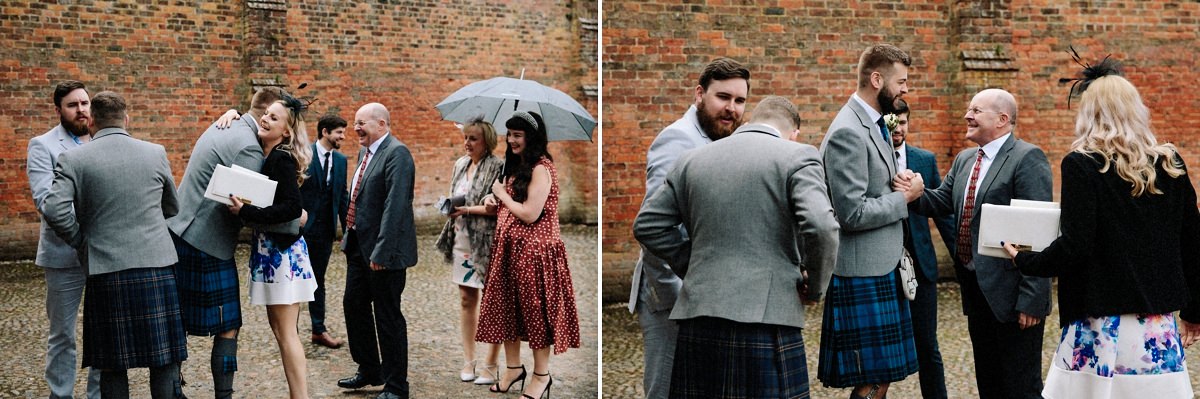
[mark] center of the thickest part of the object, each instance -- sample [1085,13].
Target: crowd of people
[742,227]
[157,259]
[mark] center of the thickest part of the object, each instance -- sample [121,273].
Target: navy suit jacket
[311,191]
[924,163]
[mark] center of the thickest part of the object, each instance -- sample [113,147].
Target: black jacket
[1120,254]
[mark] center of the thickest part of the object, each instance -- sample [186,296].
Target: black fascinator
[1107,66]
[298,104]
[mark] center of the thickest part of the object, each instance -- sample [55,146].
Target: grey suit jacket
[122,192]
[43,153]
[383,213]
[859,167]
[1019,171]
[206,224]
[757,212]
[654,283]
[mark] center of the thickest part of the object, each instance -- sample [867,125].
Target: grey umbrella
[495,100]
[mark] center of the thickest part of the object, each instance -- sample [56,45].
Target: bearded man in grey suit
[867,337]
[720,100]
[112,209]
[1005,309]
[758,220]
[65,277]
[205,235]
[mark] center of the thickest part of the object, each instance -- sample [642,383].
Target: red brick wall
[180,66]
[807,50]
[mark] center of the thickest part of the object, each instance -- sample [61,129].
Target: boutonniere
[891,120]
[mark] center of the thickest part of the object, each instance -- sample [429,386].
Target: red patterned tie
[358,186]
[964,224]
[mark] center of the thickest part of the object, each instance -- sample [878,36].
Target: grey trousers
[64,289]
[658,342]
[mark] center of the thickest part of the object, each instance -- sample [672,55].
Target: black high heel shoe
[545,393]
[495,388]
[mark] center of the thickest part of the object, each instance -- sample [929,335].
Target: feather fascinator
[1107,66]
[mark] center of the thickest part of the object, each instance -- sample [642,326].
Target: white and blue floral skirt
[280,277]
[1126,356]
[463,271]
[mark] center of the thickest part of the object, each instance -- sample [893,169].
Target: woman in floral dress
[281,275]
[1128,256]
[528,295]
[466,240]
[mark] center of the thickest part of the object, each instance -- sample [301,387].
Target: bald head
[371,123]
[991,114]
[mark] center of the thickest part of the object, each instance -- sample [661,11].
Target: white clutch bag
[1030,225]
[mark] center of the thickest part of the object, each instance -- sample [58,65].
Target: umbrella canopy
[495,100]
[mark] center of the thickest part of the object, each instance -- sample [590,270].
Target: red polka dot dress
[528,293]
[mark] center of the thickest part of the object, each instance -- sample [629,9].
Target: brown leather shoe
[326,340]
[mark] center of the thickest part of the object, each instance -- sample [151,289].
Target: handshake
[910,183]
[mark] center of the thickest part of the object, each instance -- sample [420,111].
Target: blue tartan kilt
[131,319]
[209,293]
[719,358]
[866,333]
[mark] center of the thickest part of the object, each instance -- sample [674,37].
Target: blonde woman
[466,240]
[281,275]
[1128,256]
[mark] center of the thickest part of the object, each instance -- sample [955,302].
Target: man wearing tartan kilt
[205,235]
[112,209]
[866,334]
[762,238]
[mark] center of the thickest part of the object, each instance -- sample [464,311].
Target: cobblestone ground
[430,306]
[623,351]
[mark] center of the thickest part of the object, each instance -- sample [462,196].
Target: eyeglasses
[976,110]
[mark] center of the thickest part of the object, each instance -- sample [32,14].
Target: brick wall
[181,64]
[807,50]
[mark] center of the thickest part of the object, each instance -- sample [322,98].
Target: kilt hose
[209,295]
[719,358]
[866,333]
[131,319]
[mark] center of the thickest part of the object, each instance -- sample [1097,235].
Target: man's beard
[712,127]
[887,101]
[77,128]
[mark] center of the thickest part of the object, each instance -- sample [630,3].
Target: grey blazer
[859,167]
[1020,171]
[654,283]
[383,213]
[43,153]
[758,214]
[122,192]
[206,224]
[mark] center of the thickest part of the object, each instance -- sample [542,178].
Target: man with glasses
[1004,309]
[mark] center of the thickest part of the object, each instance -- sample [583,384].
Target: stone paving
[623,351]
[430,306]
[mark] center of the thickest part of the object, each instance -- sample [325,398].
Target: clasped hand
[910,183]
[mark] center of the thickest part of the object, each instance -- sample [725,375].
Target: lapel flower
[891,120]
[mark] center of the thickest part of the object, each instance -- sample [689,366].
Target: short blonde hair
[486,130]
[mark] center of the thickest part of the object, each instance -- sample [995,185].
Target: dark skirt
[718,358]
[208,291]
[131,319]
[866,333]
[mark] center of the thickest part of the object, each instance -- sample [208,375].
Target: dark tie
[887,137]
[325,167]
[964,223]
[357,187]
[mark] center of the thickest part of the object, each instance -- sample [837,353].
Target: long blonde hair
[1114,123]
[298,144]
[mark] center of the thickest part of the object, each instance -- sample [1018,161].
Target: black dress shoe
[358,381]
[389,395]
